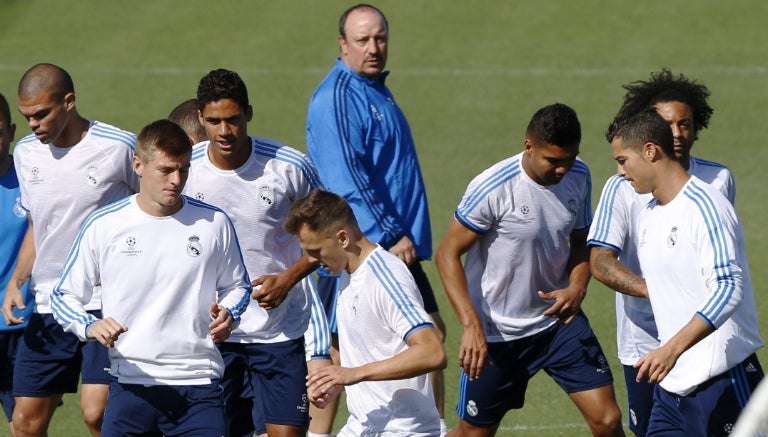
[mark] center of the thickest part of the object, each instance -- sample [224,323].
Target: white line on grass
[755,70]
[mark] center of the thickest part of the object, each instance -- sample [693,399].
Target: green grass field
[467,74]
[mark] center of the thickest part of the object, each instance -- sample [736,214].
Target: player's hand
[13,299]
[566,304]
[404,250]
[106,331]
[473,352]
[325,384]
[271,290]
[221,325]
[656,365]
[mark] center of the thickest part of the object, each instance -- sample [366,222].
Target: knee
[27,424]
[608,423]
[93,416]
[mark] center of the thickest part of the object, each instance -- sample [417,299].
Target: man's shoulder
[108,135]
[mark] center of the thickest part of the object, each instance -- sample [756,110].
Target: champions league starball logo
[200,196]
[194,249]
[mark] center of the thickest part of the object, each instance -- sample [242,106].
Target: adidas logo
[750,368]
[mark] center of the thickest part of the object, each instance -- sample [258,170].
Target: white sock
[312,434]
[443,427]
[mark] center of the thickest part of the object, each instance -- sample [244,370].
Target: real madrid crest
[672,238]
[194,249]
[266,195]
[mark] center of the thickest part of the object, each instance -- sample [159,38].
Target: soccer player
[256,180]
[613,256]
[13,227]
[361,143]
[523,225]
[173,282]
[67,167]
[387,342]
[691,250]
[185,115]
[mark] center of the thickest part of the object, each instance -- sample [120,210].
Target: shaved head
[45,78]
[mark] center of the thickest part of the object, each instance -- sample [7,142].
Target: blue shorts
[570,354]
[156,410]
[50,360]
[328,290]
[712,409]
[9,342]
[269,381]
[639,401]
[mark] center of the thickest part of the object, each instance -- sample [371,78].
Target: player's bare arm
[568,300]
[657,364]
[605,266]
[474,346]
[106,331]
[21,273]
[271,290]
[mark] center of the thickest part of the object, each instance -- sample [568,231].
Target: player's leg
[483,402]
[238,405]
[436,378]
[575,360]
[639,401]
[281,369]
[94,370]
[47,365]
[321,423]
[132,409]
[9,341]
[193,410]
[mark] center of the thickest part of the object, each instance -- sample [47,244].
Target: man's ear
[137,165]
[651,151]
[343,236]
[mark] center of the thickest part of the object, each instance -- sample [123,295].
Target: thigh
[639,401]
[666,416]
[484,401]
[197,411]
[47,360]
[129,412]
[236,391]
[279,372]
[574,358]
[9,341]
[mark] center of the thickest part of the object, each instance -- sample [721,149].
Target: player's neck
[73,133]
[5,164]
[358,253]
[672,178]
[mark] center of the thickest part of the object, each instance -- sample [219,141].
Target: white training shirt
[614,227]
[524,245]
[60,187]
[159,277]
[377,311]
[257,197]
[691,251]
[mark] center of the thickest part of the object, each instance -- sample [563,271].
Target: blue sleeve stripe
[417,328]
[291,156]
[100,130]
[597,243]
[394,289]
[468,224]
[342,126]
[242,305]
[65,312]
[704,162]
[740,384]
[605,211]
[726,283]
[320,329]
[588,200]
[200,150]
[26,139]
[492,182]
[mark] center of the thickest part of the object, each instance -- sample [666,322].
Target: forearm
[606,268]
[422,356]
[300,269]
[690,334]
[455,284]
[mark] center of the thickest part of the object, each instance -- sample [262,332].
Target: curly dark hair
[556,124]
[222,84]
[663,86]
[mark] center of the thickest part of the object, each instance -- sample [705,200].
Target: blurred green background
[468,75]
